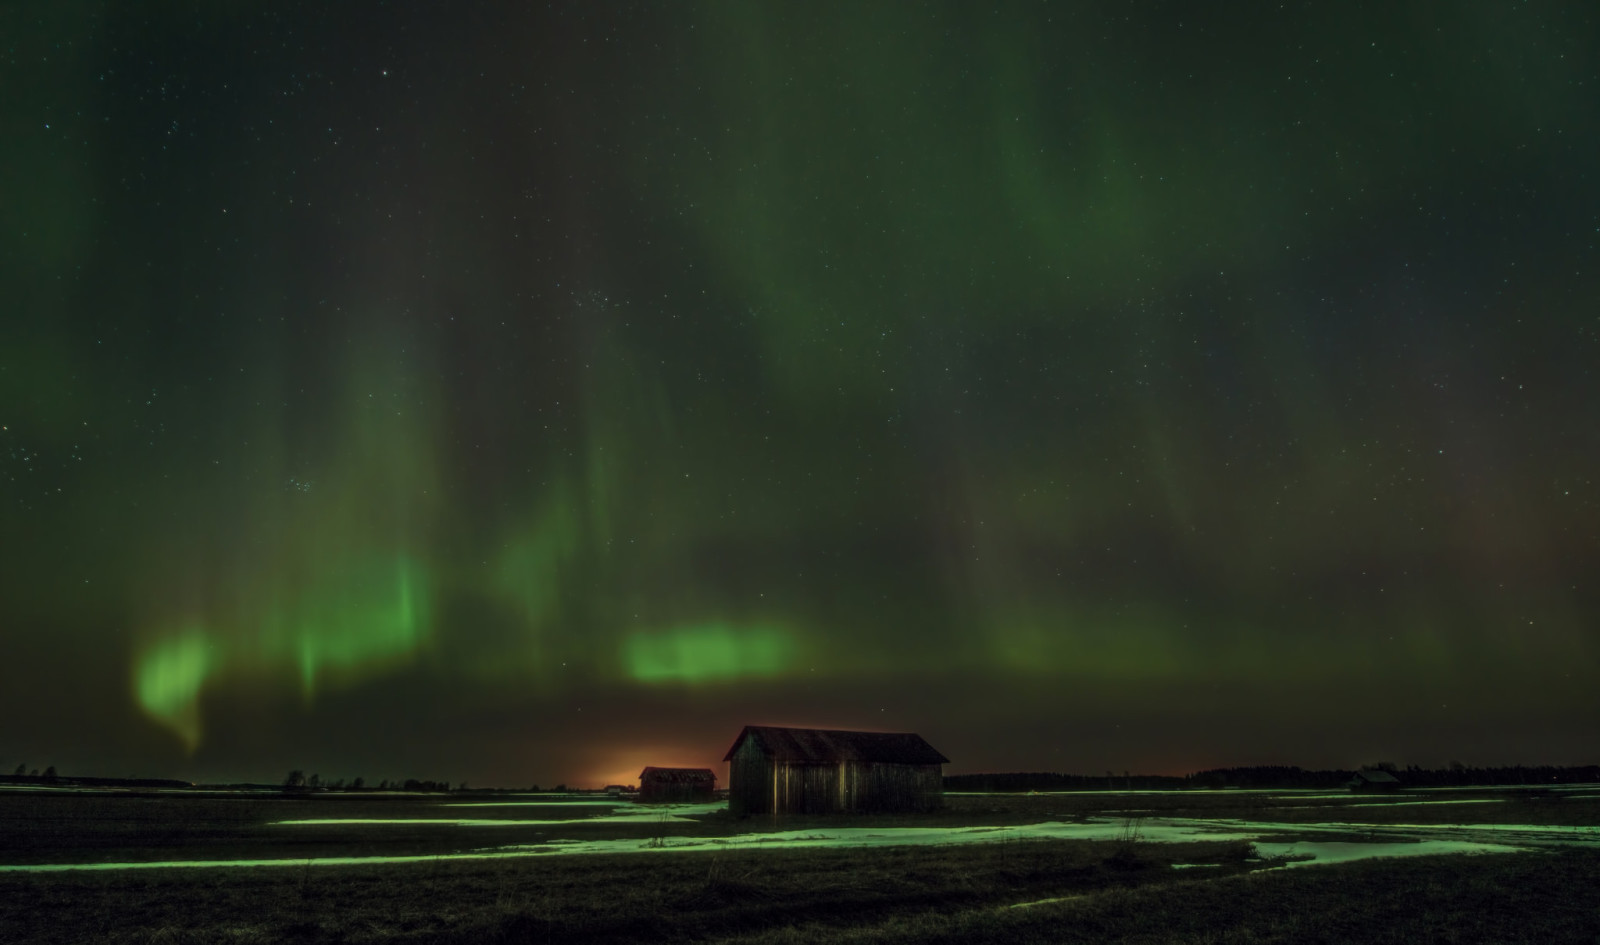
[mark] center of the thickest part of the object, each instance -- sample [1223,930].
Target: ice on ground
[1313,853]
[1384,839]
[666,813]
[585,803]
[303,862]
[1464,800]
[1041,902]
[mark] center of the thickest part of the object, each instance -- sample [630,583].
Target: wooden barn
[676,785]
[1373,781]
[813,771]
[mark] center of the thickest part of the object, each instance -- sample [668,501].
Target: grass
[945,894]
[1524,898]
[1118,890]
[686,897]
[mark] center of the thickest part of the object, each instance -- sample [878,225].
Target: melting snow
[677,813]
[1382,839]
[1309,853]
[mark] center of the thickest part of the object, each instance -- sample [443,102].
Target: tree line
[1274,776]
[298,782]
[48,775]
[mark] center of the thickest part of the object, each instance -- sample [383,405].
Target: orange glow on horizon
[623,766]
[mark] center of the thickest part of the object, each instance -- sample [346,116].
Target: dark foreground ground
[1122,890]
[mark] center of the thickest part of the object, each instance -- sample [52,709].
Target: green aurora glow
[368,383]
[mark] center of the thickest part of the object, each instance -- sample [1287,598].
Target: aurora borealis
[528,393]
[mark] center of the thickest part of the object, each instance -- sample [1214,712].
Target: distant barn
[813,771]
[1373,781]
[674,785]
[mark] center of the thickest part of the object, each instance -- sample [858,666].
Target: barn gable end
[669,785]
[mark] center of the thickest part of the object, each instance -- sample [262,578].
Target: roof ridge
[829,746]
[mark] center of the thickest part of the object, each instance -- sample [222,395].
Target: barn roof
[675,775]
[821,746]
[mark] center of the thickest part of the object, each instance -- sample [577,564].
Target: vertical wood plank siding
[778,770]
[674,793]
[757,785]
[751,788]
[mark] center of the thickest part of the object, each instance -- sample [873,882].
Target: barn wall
[845,786]
[675,792]
[750,781]
[808,789]
[890,787]
[758,785]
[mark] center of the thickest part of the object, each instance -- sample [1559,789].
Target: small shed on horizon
[676,785]
[819,771]
[1373,781]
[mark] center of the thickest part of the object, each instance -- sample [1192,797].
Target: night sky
[528,392]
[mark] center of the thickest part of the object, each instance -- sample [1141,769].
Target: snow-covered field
[426,828]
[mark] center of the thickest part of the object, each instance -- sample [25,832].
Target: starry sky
[522,392]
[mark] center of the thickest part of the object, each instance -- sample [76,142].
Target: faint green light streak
[168,679]
[714,652]
[1100,648]
[529,570]
[349,623]
[361,619]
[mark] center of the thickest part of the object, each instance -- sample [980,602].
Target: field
[1506,865]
